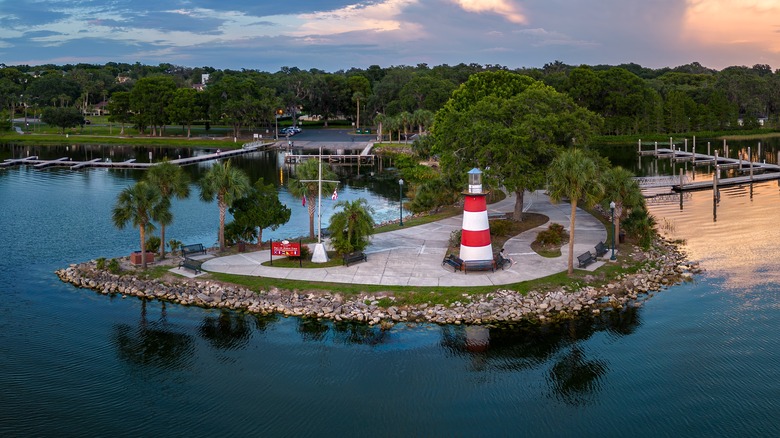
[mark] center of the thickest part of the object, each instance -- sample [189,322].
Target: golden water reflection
[736,237]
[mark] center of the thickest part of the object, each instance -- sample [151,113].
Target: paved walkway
[411,256]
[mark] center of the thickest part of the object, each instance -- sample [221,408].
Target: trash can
[622,236]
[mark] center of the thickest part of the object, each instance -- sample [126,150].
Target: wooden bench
[353,257]
[601,249]
[586,259]
[454,261]
[192,265]
[195,248]
[479,265]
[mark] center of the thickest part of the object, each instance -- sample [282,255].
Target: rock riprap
[664,266]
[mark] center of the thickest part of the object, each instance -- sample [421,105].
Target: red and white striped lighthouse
[475,235]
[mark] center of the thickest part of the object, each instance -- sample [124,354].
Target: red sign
[285,248]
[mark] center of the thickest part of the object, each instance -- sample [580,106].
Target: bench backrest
[585,257]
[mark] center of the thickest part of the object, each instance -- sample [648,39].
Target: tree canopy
[511,127]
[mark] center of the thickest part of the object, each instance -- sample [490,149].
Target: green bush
[101,263]
[500,227]
[174,245]
[642,226]
[554,235]
[305,253]
[152,244]
[113,266]
[455,238]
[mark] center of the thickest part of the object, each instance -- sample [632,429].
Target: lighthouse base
[476,252]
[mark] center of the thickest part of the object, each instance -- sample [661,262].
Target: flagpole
[319,200]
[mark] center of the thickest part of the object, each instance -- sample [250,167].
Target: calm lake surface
[699,359]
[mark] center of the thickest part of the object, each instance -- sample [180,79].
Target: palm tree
[574,175]
[350,227]
[381,120]
[404,120]
[138,204]
[305,185]
[171,180]
[227,184]
[620,187]
[423,119]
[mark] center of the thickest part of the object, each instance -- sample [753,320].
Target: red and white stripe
[475,235]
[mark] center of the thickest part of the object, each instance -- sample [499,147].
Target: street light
[277,113]
[401,201]
[612,208]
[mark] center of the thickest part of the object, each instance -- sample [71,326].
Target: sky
[334,35]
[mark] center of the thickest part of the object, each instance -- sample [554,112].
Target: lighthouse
[475,234]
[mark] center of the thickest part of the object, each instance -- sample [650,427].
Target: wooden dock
[131,163]
[756,172]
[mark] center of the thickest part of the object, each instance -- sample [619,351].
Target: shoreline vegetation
[223,138]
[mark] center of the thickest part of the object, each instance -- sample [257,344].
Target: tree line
[630,98]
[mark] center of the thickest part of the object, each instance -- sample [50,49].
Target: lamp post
[401,201]
[277,113]
[612,209]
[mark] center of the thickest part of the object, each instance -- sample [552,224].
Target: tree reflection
[358,333]
[574,378]
[228,331]
[312,329]
[153,343]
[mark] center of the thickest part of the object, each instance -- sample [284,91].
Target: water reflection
[228,331]
[727,234]
[358,333]
[571,376]
[154,344]
[575,379]
[312,329]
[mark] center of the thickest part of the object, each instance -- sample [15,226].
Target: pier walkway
[748,171]
[132,163]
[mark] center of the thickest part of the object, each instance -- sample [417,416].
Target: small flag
[303,201]
[335,195]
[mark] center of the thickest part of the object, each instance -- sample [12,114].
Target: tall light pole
[612,209]
[277,113]
[401,201]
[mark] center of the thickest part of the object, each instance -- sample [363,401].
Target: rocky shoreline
[664,265]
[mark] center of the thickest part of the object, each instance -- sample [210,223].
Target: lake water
[699,359]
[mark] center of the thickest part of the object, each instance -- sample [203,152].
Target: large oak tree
[511,127]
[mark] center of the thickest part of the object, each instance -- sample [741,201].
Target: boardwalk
[750,171]
[131,163]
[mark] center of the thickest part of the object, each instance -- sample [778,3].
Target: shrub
[113,266]
[554,235]
[455,238]
[152,244]
[174,245]
[642,226]
[101,263]
[305,253]
[500,227]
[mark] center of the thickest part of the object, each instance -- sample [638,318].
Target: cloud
[505,8]
[375,17]
[732,32]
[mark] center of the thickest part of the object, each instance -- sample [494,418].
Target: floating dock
[750,171]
